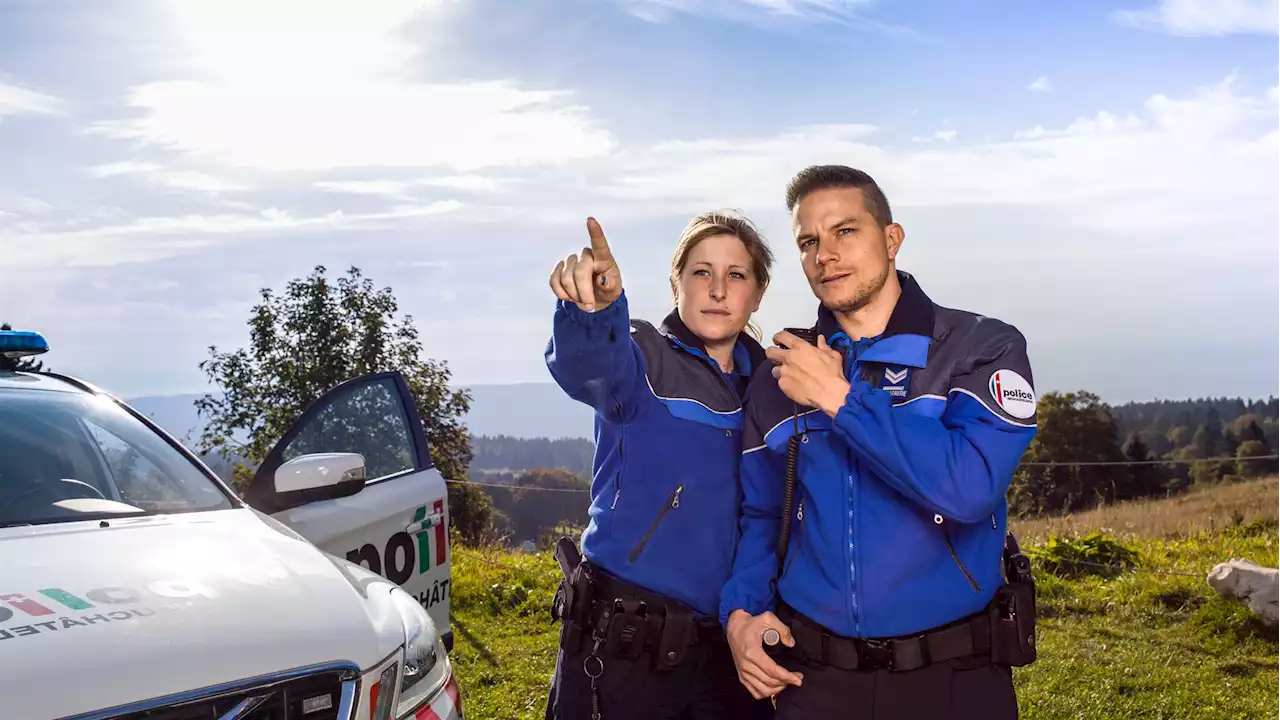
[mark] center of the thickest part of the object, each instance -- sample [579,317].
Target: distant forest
[492,454]
[1170,428]
[1133,450]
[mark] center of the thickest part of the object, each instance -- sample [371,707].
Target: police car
[134,584]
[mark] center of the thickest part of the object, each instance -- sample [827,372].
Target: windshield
[75,456]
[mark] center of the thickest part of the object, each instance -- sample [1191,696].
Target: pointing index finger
[599,245]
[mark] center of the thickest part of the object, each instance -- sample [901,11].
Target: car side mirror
[319,476]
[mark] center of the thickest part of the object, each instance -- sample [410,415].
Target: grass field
[1139,644]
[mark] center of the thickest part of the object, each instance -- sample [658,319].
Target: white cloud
[300,85]
[401,189]
[21,205]
[155,174]
[15,100]
[1205,17]
[1041,84]
[375,188]
[152,238]
[658,10]
[1207,156]
[769,13]
[943,135]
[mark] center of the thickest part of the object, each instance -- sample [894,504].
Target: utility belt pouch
[678,632]
[626,633]
[1013,611]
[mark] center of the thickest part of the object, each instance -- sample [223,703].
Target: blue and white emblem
[896,381]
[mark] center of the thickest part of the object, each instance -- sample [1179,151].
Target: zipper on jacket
[937,519]
[791,556]
[725,381]
[617,486]
[673,502]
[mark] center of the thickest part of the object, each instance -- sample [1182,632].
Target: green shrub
[1095,554]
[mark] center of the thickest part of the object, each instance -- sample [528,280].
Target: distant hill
[525,410]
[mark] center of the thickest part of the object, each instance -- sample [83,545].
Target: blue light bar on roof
[20,343]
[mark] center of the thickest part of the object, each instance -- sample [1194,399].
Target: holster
[1013,611]
[574,595]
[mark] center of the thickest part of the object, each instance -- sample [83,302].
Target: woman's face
[717,292]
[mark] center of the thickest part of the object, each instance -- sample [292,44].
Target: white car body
[115,615]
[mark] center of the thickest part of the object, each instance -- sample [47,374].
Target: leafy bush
[1095,554]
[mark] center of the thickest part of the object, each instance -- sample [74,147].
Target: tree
[538,512]
[19,364]
[1179,436]
[1251,431]
[470,510]
[312,337]
[1073,427]
[1256,467]
[1144,478]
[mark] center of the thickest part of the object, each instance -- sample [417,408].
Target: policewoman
[640,635]
[894,596]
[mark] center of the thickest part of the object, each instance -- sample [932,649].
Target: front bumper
[331,691]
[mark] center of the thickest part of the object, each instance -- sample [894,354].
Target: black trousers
[957,689]
[704,686]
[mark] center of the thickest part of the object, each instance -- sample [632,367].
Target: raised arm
[591,355]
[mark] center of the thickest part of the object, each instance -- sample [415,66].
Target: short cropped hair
[822,177]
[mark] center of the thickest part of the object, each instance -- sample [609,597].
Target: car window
[137,480]
[369,419]
[69,456]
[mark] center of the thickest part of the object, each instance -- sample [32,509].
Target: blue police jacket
[668,431]
[900,512]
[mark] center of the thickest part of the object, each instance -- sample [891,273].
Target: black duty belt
[633,621]
[964,638]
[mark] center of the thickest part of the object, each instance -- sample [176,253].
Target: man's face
[845,253]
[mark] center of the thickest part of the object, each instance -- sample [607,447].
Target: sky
[1102,175]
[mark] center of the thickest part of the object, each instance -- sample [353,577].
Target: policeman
[906,421]
[640,636]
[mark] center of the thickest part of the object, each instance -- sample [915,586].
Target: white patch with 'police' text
[1012,393]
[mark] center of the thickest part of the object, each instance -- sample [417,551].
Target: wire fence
[1071,464]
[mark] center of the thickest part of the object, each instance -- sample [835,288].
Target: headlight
[426,667]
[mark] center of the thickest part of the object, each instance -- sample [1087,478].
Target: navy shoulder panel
[985,358]
[690,386]
[965,342]
[650,342]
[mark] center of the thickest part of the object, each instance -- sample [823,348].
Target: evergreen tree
[1144,479]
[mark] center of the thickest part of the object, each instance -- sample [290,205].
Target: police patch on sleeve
[1012,393]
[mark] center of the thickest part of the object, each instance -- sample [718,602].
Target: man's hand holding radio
[811,375]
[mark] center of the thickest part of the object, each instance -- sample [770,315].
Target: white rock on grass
[1250,583]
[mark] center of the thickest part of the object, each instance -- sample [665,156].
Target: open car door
[354,476]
